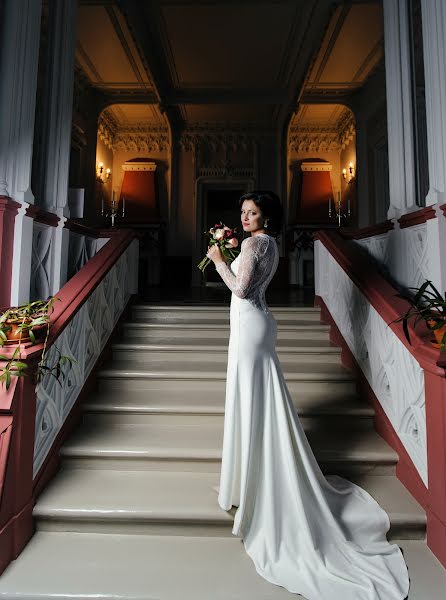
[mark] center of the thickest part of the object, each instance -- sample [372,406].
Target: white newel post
[57,126]
[399,109]
[19,54]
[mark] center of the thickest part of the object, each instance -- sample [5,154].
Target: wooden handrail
[76,291]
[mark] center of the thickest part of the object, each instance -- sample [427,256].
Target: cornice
[155,139]
[313,140]
[107,129]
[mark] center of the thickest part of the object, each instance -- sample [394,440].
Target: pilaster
[19,54]
[434,50]
[59,103]
[399,109]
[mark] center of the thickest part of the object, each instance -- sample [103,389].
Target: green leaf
[406,331]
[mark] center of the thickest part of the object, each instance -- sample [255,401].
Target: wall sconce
[100,175]
[349,174]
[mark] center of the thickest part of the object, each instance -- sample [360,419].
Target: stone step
[162,447]
[298,330]
[189,406]
[81,566]
[152,313]
[196,394]
[179,503]
[158,368]
[209,350]
[122,380]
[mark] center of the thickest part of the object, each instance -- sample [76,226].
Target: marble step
[152,313]
[179,503]
[211,395]
[297,330]
[81,566]
[211,349]
[195,448]
[206,405]
[156,367]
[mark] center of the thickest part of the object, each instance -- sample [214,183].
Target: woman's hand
[214,253]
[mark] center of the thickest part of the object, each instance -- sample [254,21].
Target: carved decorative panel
[82,340]
[393,374]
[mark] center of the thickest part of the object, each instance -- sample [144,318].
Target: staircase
[133,513]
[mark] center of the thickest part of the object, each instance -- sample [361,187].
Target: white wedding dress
[322,537]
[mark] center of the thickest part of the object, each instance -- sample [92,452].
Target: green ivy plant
[30,319]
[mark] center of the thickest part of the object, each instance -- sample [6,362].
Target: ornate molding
[313,140]
[347,128]
[139,166]
[323,139]
[107,128]
[316,166]
[149,139]
[238,172]
[217,140]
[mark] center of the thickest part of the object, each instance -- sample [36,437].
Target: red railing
[381,294]
[18,488]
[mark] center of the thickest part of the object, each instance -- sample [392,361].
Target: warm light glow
[349,174]
[100,170]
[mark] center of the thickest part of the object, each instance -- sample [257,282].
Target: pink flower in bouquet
[224,236]
[232,243]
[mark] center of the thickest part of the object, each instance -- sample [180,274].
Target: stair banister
[35,419]
[406,383]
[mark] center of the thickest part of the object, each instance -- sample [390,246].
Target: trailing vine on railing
[26,323]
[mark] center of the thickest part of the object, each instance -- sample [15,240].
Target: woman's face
[251,217]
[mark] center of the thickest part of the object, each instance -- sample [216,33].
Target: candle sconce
[349,174]
[101,177]
[337,211]
[114,212]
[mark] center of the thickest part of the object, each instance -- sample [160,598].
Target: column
[399,109]
[434,50]
[19,55]
[57,129]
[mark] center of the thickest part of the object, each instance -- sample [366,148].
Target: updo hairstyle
[269,203]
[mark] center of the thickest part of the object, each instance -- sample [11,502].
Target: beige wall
[103,155]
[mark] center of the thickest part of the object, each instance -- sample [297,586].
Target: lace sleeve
[241,284]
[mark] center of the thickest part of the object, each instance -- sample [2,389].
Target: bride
[322,537]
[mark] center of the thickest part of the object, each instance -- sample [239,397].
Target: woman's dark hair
[271,207]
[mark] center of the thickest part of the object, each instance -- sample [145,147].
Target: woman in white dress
[322,537]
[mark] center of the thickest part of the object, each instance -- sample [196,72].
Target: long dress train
[322,537]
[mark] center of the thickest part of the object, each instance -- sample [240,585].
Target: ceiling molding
[129,96]
[309,34]
[227,96]
[112,13]
[90,71]
[313,141]
[143,20]
[375,52]
[149,139]
[335,27]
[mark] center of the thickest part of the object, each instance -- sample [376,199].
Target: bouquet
[225,237]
